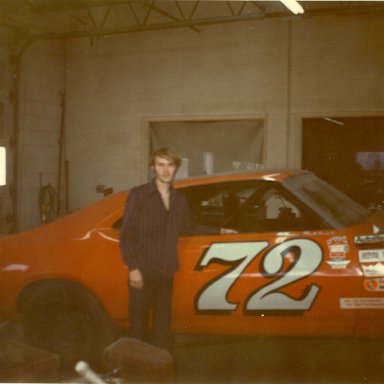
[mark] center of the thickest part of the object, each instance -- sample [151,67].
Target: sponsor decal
[374,270]
[371,255]
[338,264]
[338,248]
[374,285]
[368,239]
[361,303]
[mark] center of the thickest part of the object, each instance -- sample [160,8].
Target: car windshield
[333,206]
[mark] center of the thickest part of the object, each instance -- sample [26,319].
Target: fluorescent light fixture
[293,6]
[333,121]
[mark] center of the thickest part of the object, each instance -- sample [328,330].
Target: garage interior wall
[280,68]
[5,122]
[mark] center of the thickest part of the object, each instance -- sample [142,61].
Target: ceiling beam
[192,23]
[44,6]
[152,27]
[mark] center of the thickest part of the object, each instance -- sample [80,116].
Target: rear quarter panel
[71,248]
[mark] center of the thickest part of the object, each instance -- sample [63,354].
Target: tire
[65,318]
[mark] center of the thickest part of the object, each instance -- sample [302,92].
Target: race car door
[272,278]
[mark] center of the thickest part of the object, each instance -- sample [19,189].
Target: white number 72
[213,297]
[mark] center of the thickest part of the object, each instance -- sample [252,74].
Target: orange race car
[307,261]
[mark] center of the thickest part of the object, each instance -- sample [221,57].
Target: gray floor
[215,359]
[278,360]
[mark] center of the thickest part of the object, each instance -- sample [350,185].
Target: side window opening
[256,206]
[273,210]
[218,204]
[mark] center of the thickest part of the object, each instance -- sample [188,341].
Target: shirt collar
[153,187]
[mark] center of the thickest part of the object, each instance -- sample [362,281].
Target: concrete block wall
[5,124]
[41,82]
[281,69]
[118,81]
[338,65]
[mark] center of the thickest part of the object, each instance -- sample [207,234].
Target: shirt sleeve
[191,228]
[128,233]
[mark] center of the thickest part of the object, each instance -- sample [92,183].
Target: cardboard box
[139,362]
[23,363]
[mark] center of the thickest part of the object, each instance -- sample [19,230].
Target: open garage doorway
[348,153]
[212,146]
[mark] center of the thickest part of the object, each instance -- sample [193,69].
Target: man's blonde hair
[165,153]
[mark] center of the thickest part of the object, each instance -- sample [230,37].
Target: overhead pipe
[15,60]
[14,141]
[61,151]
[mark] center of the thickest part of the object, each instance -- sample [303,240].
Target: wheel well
[28,291]
[65,308]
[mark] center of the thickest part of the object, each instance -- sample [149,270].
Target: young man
[155,216]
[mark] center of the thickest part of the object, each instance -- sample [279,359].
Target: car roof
[268,174]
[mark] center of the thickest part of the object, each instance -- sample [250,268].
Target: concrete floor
[216,359]
[278,360]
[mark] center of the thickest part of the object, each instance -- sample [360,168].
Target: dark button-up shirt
[149,234]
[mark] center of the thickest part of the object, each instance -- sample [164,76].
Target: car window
[217,204]
[333,206]
[272,210]
[260,206]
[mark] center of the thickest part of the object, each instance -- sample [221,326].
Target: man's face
[164,169]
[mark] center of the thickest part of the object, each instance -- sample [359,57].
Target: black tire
[65,318]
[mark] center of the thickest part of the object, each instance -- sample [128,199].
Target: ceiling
[61,19]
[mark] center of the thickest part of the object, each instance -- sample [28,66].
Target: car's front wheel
[65,318]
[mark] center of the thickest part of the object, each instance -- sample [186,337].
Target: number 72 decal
[213,296]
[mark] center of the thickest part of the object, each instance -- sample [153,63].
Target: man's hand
[228,231]
[136,279]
